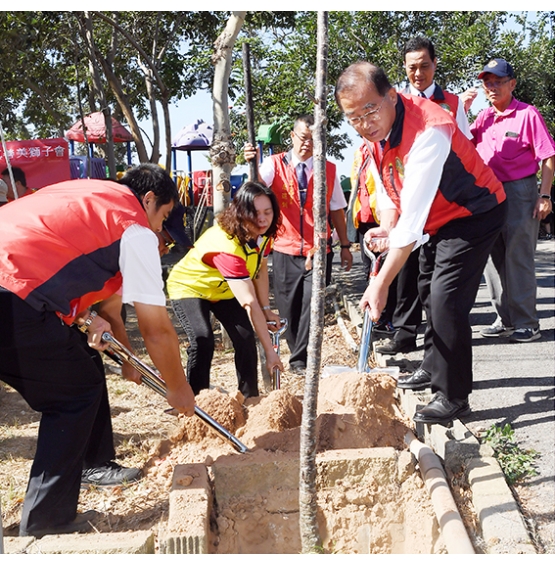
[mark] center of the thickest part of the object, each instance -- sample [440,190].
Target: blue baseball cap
[498,67]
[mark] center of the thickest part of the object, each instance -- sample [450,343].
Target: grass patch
[516,463]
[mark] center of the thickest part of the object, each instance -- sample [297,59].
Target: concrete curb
[142,542]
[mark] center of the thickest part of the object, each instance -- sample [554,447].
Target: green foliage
[516,463]
[530,50]
[284,60]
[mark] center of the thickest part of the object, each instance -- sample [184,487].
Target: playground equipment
[95,129]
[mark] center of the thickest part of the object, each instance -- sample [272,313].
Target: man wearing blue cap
[512,138]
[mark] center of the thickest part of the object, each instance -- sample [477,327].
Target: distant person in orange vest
[289,176]
[20,183]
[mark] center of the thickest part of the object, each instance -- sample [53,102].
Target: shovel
[275,343]
[365,348]
[152,379]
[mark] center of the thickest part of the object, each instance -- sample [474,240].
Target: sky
[199,106]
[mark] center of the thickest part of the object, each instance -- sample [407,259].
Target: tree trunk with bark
[222,152]
[310,537]
[100,95]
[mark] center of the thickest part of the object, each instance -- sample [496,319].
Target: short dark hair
[18,175]
[419,43]
[150,177]
[242,209]
[362,70]
[307,119]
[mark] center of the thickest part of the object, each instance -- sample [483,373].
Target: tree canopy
[150,60]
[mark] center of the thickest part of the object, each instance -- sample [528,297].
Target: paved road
[514,384]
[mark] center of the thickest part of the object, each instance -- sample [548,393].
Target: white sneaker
[526,335]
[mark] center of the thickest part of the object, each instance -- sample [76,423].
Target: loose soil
[355,411]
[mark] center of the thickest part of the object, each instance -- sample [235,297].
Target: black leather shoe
[418,380]
[441,410]
[393,346]
[82,524]
[109,474]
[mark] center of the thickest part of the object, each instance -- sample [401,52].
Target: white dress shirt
[267,174]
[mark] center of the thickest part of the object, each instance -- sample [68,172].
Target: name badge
[510,134]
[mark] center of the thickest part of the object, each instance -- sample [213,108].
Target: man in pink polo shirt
[512,138]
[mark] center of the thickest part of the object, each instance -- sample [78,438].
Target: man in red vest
[289,175]
[64,249]
[438,195]
[420,63]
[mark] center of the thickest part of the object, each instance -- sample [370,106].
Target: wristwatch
[544,196]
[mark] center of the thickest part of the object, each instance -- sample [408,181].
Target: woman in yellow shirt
[226,273]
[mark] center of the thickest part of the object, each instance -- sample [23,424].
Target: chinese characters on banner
[44,162]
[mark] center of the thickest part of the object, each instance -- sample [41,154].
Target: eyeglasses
[370,115]
[303,140]
[490,85]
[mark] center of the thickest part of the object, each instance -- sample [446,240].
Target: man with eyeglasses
[420,64]
[437,194]
[289,175]
[512,138]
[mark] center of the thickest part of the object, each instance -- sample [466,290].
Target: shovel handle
[276,374]
[152,379]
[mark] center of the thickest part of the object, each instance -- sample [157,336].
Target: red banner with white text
[44,162]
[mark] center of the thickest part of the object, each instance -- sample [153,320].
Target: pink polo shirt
[514,142]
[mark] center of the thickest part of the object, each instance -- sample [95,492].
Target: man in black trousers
[437,194]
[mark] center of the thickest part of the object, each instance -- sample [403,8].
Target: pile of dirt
[354,411]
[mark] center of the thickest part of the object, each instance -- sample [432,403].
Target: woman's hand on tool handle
[273,318]
[273,361]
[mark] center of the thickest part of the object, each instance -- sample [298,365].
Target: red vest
[59,248]
[296,234]
[447,101]
[467,186]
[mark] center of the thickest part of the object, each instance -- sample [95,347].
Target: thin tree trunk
[100,94]
[222,152]
[310,537]
[167,126]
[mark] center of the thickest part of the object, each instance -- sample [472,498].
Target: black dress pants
[451,266]
[194,316]
[293,294]
[407,316]
[48,363]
